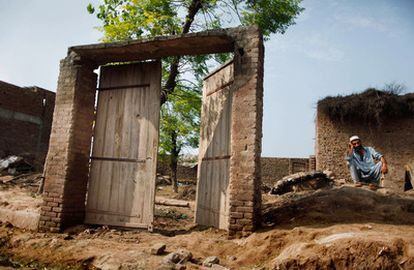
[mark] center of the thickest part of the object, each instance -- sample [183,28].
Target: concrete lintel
[213,41]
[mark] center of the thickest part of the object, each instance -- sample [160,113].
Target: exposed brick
[244,209]
[51,224]
[46,208]
[52,204]
[235,227]
[244,221]
[67,172]
[45,218]
[393,138]
[56,219]
[54,229]
[57,209]
[236,215]
[28,138]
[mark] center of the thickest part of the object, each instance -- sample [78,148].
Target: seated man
[361,163]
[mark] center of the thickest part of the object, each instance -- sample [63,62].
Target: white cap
[353,138]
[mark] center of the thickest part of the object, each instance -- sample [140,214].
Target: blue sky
[336,47]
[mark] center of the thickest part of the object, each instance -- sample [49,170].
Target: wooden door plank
[125,196]
[213,174]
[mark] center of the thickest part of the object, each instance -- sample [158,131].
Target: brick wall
[274,168]
[26,119]
[66,173]
[394,138]
[67,161]
[183,172]
[246,131]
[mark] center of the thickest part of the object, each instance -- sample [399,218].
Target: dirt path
[340,228]
[368,246]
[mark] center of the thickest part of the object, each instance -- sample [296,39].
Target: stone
[180,266]
[171,266]
[166,266]
[231,258]
[218,267]
[185,255]
[209,261]
[68,237]
[158,249]
[172,257]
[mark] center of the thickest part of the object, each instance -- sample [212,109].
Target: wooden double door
[212,208]
[124,149]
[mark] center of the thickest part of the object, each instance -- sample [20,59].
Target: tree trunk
[171,82]
[174,161]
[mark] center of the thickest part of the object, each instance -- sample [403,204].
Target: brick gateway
[67,165]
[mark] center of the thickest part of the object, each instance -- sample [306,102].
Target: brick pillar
[246,132]
[66,167]
[312,163]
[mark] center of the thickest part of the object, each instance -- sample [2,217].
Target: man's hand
[384,168]
[350,149]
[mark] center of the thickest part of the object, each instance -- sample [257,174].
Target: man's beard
[358,148]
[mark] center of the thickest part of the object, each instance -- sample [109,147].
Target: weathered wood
[214,151]
[124,155]
[171,202]
[214,41]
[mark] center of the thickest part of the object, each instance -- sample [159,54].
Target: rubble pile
[301,181]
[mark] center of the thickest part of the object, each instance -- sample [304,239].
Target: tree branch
[171,82]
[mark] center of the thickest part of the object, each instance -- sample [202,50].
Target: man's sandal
[373,187]
[358,184]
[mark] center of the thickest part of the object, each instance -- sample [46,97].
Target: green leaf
[90,8]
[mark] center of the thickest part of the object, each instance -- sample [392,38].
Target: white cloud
[316,47]
[383,19]
[365,22]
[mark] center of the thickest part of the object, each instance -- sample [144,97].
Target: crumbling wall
[275,168]
[393,138]
[185,173]
[25,119]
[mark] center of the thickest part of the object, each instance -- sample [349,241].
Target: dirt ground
[335,228]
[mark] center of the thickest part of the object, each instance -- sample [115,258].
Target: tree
[180,123]
[132,19]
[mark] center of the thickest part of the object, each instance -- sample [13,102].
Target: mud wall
[272,168]
[275,168]
[25,120]
[183,172]
[393,138]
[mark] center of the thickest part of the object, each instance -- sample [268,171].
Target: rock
[54,243]
[301,181]
[185,255]
[330,174]
[180,266]
[231,258]
[218,267]
[341,181]
[158,249]
[172,258]
[67,237]
[166,266]
[171,266]
[209,261]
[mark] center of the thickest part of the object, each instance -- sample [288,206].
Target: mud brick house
[25,119]
[381,119]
